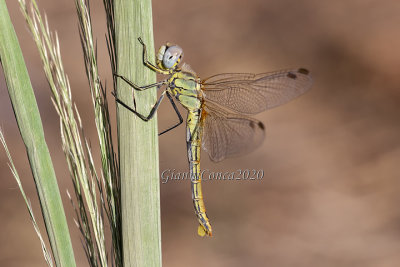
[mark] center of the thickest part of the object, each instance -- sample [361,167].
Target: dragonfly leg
[143,117]
[148,63]
[177,113]
[141,88]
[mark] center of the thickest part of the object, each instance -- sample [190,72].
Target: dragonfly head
[169,56]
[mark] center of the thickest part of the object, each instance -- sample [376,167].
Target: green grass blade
[46,253]
[31,129]
[138,140]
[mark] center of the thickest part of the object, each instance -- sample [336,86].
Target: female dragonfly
[218,109]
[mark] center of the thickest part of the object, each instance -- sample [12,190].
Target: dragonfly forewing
[253,93]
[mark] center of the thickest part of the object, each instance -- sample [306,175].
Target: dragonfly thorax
[185,87]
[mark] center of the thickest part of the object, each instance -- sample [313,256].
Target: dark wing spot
[291,75]
[303,71]
[259,124]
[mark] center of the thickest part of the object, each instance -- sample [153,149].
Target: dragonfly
[219,110]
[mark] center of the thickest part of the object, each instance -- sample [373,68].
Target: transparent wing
[225,134]
[253,93]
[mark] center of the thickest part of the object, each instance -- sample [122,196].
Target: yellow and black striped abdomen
[193,140]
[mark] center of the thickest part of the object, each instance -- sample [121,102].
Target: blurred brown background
[330,192]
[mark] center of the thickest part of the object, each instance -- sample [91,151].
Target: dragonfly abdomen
[194,146]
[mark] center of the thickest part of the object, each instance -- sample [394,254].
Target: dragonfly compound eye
[172,56]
